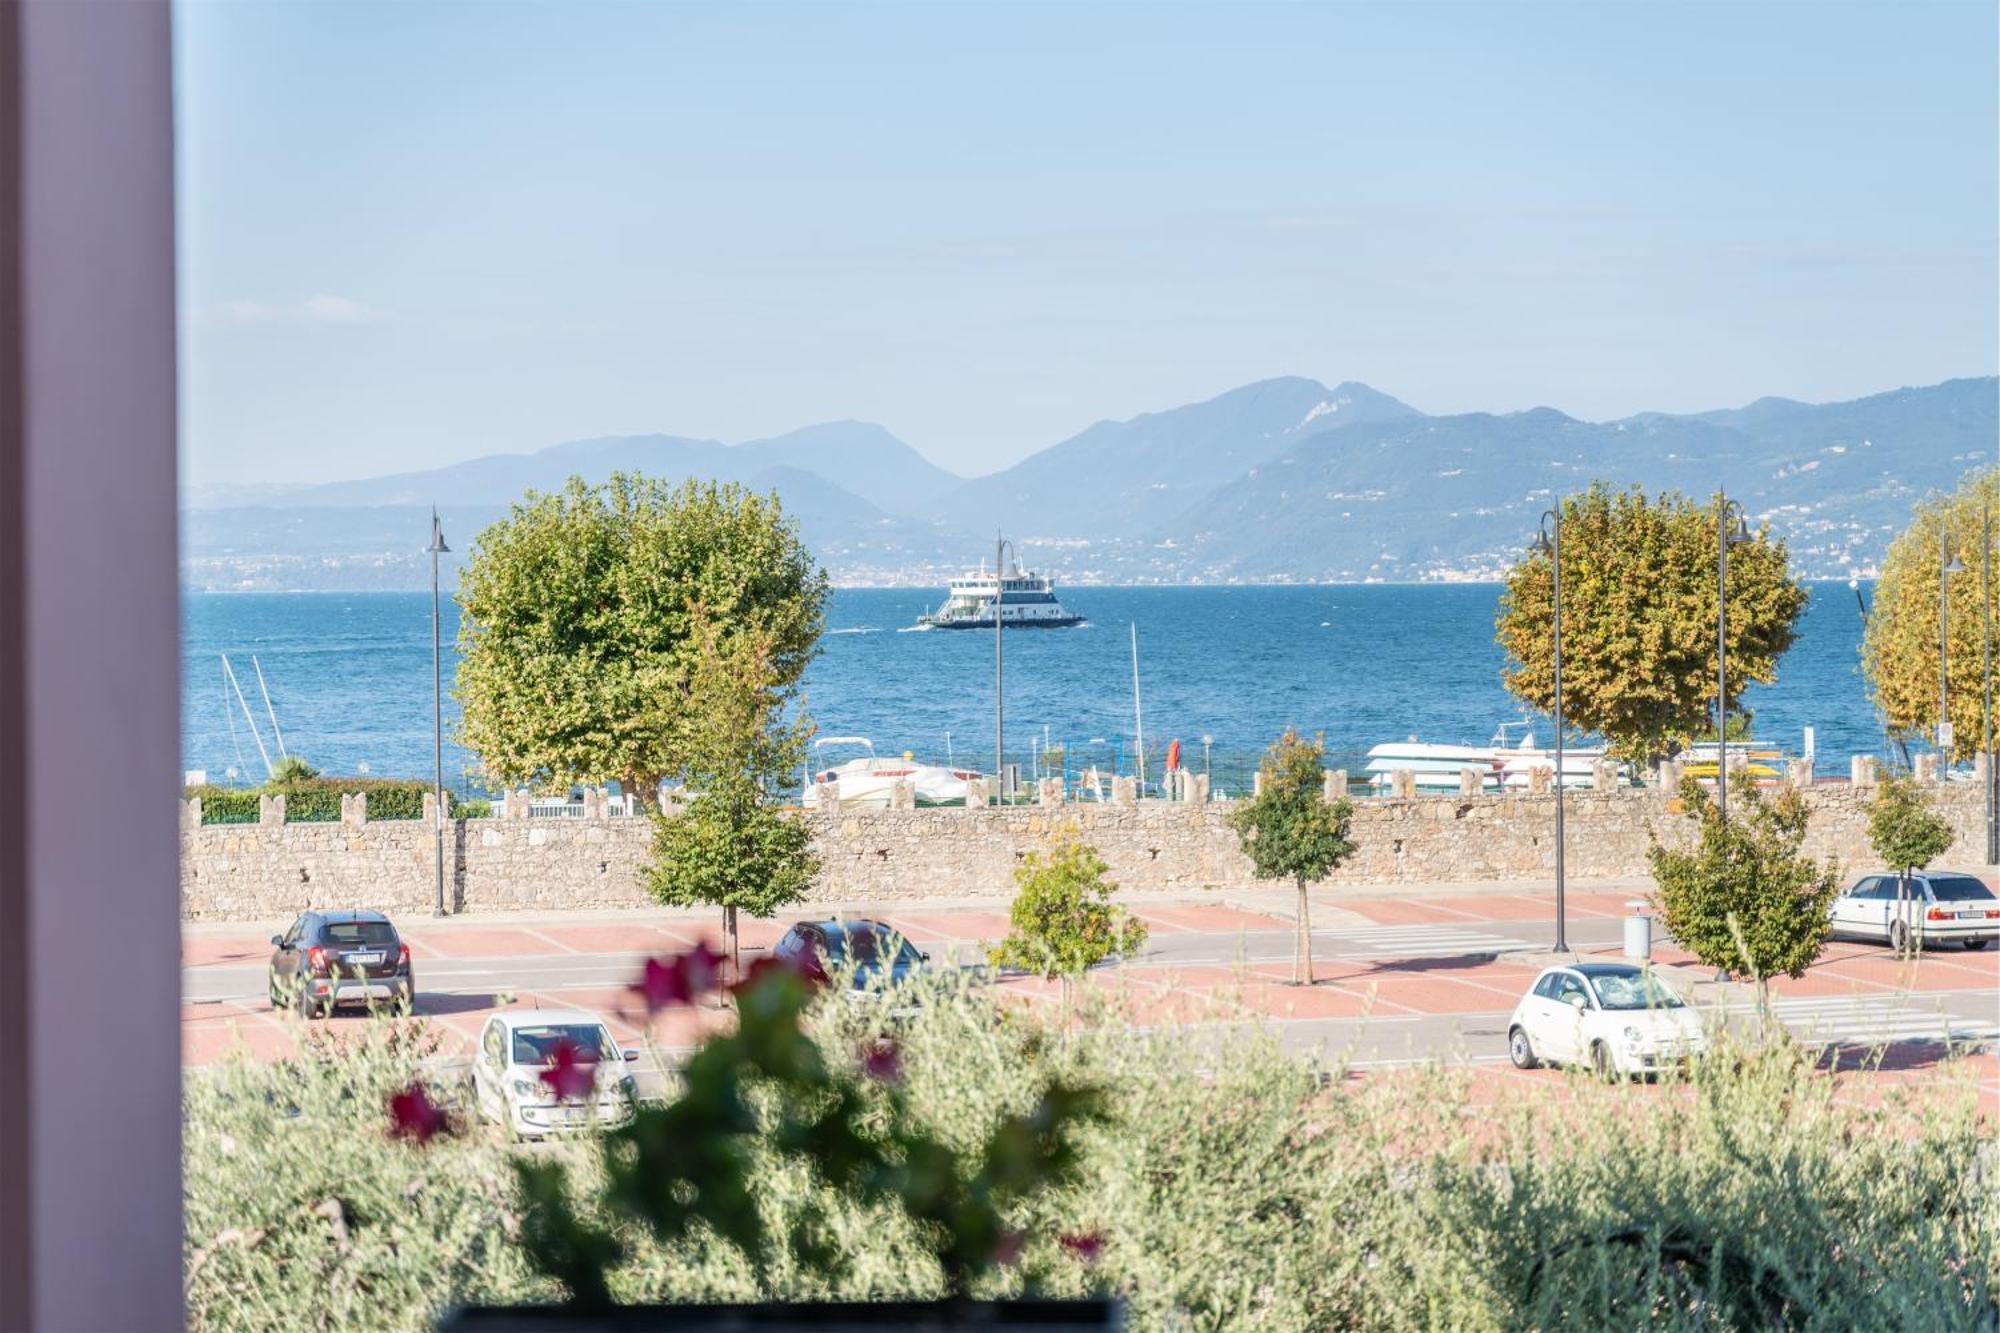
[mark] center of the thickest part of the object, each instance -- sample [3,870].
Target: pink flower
[883,1062]
[681,979]
[571,1074]
[414,1116]
[1087,1246]
[1007,1249]
[806,968]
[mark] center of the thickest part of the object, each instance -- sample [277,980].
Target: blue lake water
[350,677]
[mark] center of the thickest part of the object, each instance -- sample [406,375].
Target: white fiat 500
[1613,1016]
[519,1047]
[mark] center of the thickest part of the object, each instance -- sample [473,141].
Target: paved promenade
[1403,975]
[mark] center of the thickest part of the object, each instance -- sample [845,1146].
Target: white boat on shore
[1505,763]
[869,781]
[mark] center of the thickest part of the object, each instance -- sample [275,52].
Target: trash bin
[1638,932]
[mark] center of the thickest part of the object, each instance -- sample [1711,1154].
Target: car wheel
[1975,944]
[1520,1050]
[308,1010]
[1600,1060]
[1899,936]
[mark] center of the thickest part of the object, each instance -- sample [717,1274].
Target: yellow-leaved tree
[1639,619]
[1899,650]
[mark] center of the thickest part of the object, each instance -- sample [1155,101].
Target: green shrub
[1233,1185]
[317,800]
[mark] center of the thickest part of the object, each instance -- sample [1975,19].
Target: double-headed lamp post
[436,549]
[1948,564]
[1725,537]
[1986,677]
[1551,546]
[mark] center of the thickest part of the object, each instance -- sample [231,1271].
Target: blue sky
[412,233]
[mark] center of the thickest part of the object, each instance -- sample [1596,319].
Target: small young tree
[1744,896]
[1063,918]
[1907,834]
[291,771]
[1290,831]
[731,847]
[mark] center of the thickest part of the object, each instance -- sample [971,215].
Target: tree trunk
[1302,962]
[731,945]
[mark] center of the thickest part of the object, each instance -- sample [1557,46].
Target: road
[1400,979]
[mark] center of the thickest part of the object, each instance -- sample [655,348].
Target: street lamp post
[1986,676]
[436,549]
[1207,771]
[1948,564]
[999,707]
[1724,539]
[1545,545]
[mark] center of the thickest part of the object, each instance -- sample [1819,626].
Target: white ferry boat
[1026,600]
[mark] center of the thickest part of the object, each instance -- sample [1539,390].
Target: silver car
[1939,905]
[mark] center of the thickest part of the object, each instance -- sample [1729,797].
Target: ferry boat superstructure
[1027,600]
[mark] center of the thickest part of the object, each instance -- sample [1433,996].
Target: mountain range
[1284,480]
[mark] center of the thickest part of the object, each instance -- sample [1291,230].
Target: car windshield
[868,944]
[360,934]
[1959,889]
[1633,990]
[537,1046]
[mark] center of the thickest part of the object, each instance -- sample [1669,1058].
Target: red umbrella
[1174,756]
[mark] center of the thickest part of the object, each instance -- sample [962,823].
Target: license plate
[1972,916]
[364,959]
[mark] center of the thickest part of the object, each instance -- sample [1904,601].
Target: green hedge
[317,800]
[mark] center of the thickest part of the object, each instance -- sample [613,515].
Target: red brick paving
[1153,993]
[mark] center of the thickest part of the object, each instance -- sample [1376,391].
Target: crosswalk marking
[1869,1018]
[1429,941]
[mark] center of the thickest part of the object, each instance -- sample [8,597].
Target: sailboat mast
[272,712]
[255,734]
[1138,715]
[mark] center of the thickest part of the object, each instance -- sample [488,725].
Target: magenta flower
[883,1062]
[1007,1249]
[680,979]
[414,1116]
[571,1074]
[1086,1246]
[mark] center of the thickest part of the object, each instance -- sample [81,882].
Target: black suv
[333,958]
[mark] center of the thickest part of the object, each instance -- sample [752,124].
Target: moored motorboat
[869,781]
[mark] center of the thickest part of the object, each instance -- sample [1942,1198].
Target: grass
[1234,1186]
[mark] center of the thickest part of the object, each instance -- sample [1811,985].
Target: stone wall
[273,869]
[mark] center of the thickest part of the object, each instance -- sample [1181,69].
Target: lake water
[350,677]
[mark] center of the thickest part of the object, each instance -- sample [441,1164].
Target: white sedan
[542,1071]
[1934,906]
[1613,1016]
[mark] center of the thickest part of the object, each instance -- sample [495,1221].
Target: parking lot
[1401,976]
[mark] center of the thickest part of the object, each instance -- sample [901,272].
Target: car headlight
[523,1088]
[1633,1037]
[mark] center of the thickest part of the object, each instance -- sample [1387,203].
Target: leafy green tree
[585,614]
[1290,831]
[732,847]
[1638,614]
[1063,919]
[1907,834]
[1899,648]
[1743,897]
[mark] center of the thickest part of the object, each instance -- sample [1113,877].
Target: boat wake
[913,629]
[857,629]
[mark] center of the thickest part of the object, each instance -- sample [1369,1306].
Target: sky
[414,233]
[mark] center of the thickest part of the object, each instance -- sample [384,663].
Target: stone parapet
[270,870]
